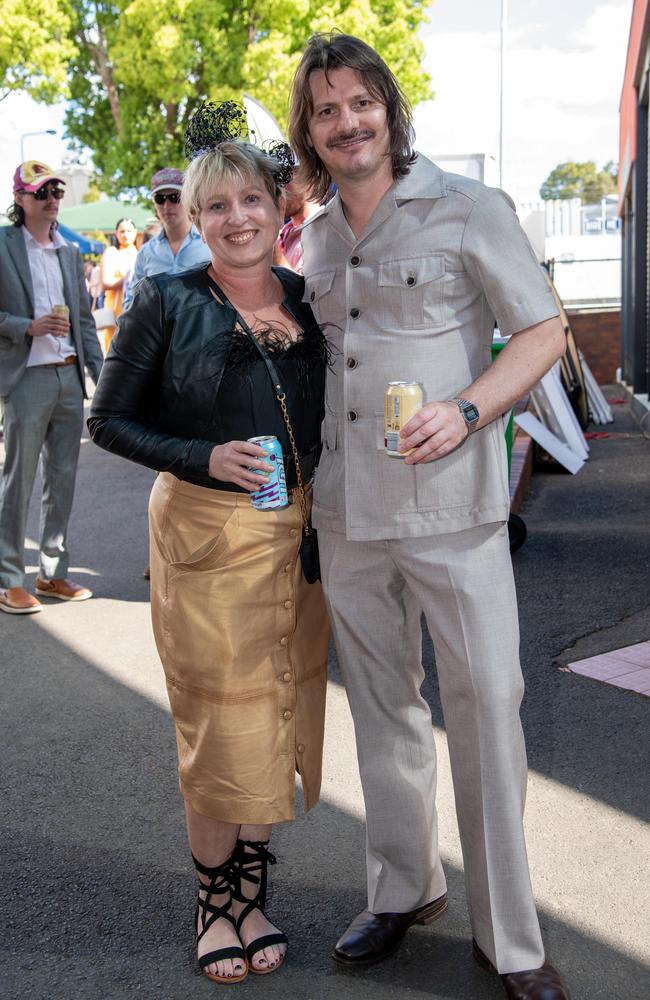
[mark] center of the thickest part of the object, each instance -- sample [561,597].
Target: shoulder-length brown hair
[330,51]
[16,214]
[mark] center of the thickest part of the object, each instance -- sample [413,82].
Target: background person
[178,246]
[288,249]
[409,266]
[150,230]
[116,264]
[242,636]
[93,274]
[43,355]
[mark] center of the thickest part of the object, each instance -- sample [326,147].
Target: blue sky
[564,73]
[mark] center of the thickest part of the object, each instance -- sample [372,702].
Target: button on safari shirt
[415,299]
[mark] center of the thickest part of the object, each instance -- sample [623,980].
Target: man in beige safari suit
[407,268]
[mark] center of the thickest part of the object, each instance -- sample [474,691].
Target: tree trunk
[99,55]
[170,117]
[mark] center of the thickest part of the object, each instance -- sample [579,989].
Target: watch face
[470,413]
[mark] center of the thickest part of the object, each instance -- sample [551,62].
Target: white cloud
[561,99]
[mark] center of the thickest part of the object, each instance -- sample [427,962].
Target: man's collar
[193,234]
[322,211]
[56,240]
[424,180]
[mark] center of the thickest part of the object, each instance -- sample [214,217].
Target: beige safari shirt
[415,299]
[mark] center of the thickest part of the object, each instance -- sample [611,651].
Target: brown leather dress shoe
[544,983]
[16,601]
[372,937]
[63,590]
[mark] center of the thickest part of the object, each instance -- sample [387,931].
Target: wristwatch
[469,412]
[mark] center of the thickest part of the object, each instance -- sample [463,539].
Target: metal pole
[504,26]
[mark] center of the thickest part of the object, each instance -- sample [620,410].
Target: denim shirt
[156,257]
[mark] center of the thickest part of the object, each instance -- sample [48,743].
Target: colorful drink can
[401,402]
[273,494]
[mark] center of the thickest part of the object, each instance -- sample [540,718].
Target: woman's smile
[242,237]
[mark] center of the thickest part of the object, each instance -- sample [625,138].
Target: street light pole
[26,135]
[504,26]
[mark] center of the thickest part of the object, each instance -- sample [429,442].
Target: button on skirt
[243,642]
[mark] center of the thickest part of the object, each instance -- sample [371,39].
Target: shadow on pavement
[98,898]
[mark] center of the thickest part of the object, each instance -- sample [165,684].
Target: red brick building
[634,204]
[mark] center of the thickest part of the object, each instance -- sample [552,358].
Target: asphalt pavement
[97,894]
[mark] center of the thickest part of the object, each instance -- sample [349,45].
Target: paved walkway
[97,897]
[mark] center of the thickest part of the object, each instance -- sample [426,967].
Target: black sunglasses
[161,198]
[43,192]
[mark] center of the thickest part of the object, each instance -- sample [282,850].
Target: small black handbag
[309,556]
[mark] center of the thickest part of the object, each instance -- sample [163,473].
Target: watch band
[469,412]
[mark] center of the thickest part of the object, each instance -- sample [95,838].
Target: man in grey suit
[406,269]
[47,338]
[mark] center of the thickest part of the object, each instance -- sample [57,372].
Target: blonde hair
[230,162]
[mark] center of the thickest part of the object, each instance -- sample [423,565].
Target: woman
[242,636]
[117,263]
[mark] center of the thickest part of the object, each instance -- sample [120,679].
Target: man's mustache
[337,140]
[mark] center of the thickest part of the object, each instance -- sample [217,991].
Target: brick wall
[598,335]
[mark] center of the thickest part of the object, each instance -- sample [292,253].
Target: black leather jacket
[156,398]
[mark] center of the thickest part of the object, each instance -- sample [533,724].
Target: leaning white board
[550,442]
[599,409]
[555,411]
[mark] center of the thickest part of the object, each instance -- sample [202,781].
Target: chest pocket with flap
[411,292]
[317,294]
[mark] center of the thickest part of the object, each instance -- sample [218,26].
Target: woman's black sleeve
[129,389]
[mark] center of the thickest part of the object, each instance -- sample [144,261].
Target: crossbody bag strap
[280,395]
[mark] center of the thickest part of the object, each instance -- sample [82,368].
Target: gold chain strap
[296,458]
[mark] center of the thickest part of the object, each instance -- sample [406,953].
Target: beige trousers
[463,582]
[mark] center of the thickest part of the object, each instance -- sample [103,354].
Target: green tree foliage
[35,48]
[139,68]
[579,180]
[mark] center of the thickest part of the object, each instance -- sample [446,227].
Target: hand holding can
[273,494]
[401,402]
[232,463]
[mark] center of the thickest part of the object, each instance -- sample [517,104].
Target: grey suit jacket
[17,310]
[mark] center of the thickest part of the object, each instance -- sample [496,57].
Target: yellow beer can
[401,402]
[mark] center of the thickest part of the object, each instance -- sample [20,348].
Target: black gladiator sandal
[207,913]
[250,861]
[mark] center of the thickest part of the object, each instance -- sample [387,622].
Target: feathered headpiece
[211,124]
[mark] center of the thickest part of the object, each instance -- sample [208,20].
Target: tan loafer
[16,601]
[63,590]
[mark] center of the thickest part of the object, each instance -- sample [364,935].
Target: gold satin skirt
[243,642]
